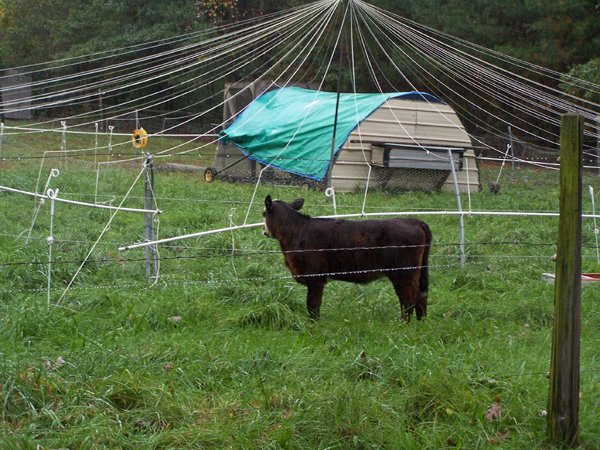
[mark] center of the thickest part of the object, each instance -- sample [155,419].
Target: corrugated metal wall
[405,122]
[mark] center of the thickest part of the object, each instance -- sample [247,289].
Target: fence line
[230,280]
[74,202]
[540,162]
[237,254]
[55,130]
[106,228]
[357,215]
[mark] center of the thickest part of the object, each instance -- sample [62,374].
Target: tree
[25,32]
[43,30]
[253,8]
[217,12]
[588,72]
[566,32]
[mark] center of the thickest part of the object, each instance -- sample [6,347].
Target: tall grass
[220,353]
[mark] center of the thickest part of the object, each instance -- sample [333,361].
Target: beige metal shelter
[403,145]
[405,142]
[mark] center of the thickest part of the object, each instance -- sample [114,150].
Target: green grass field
[220,352]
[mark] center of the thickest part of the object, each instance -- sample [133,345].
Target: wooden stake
[563,394]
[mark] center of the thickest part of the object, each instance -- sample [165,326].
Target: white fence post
[151,257]
[1,135]
[461,217]
[63,143]
[110,135]
[595,224]
[52,194]
[53,174]
[96,143]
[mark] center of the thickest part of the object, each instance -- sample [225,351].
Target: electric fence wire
[228,280]
[215,253]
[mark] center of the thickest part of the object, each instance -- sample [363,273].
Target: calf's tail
[424,280]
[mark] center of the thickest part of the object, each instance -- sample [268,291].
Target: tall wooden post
[563,394]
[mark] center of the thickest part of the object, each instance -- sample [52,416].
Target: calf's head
[275,214]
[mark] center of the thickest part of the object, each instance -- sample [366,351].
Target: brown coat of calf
[316,250]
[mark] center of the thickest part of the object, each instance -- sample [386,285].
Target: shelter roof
[292,128]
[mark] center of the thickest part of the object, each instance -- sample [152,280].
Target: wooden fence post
[563,394]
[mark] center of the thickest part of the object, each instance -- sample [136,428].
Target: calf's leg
[421,306]
[314,297]
[406,286]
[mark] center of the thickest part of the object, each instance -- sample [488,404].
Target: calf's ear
[268,202]
[297,204]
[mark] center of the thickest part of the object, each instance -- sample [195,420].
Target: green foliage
[37,31]
[574,81]
[556,34]
[488,23]
[217,11]
[566,32]
[19,43]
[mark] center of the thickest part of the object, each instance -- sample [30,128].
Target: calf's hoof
[314,315]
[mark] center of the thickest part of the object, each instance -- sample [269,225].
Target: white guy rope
[241,42]
[518,87]
[146,46]
[299,127]
[548,73]
[426,54]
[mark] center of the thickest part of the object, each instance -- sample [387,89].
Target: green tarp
[292,128]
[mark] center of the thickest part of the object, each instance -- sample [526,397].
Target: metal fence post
[52,194]
[39,202]
[1,135]
[461,217]
[63,143]
[151,256]
[512,154]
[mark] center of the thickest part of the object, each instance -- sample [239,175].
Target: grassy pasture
[220,354]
